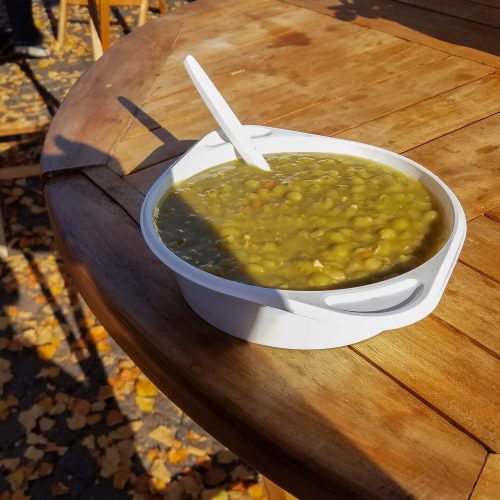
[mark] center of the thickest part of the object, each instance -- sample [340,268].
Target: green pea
[294,196]
[252,184]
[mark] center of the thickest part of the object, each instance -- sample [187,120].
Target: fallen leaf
[58,489]
[159,470]
[123,432]
[145,404]
[46,351]
[81,406]
[94,418]
[9,463]
[145,387]
[114,417]
[176,456]
[33,453]
[96,334]
[46,424]
[120,479]
[28,418]
[76,421]
[163,435]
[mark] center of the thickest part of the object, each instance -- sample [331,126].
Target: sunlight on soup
[316,221]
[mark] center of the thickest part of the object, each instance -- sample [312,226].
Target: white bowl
[307,319]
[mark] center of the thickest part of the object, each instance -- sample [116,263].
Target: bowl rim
[243,290]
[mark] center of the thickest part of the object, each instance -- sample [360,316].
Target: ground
[77,418]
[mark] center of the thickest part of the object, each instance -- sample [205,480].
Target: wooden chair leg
[143,12]
[3,244]
[163,6]
[104,24]
[96,42]
[61,27]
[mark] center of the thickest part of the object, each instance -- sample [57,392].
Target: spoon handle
[224,115]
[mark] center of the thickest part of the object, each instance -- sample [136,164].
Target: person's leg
[21,19]
[27,39]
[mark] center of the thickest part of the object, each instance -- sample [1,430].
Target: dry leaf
[76,421]
[120,479]
[46,351]
[81,406]
[58,489]
[114,417]
[163,435]
[46,424]
[145,387]
[33,453]
[123,432]
[96,334]
[176,456]
[159,470]
[94,418]
[28,418]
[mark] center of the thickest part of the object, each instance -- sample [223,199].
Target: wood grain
[468,160]
[312,421]
[482,247]
[463,9]
[466,39]
[76,143]
[471,305]
[129,198]
[494,214]
[446,369]
[360,60]
[488,486]
[381,98]
[427,120]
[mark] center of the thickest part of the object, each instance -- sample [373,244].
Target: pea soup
[315,221]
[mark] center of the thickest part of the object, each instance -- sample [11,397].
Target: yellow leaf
[145,404]
[176,456]
[97,334]
[46,351]
[145,387]
[163,435]
[159,470]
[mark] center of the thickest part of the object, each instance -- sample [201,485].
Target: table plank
[360,60]
[471,305]
[446,369]
[259,400]
[410,127]
[87,140]
[467,39]
[488,486]
[482,247]
[494,214]
[286,34]
[468,160]
[463,9]
[382,98]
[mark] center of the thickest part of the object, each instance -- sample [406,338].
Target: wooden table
[411,412]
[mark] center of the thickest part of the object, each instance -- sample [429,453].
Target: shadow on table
[426,21]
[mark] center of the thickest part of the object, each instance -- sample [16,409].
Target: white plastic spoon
[224,115]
